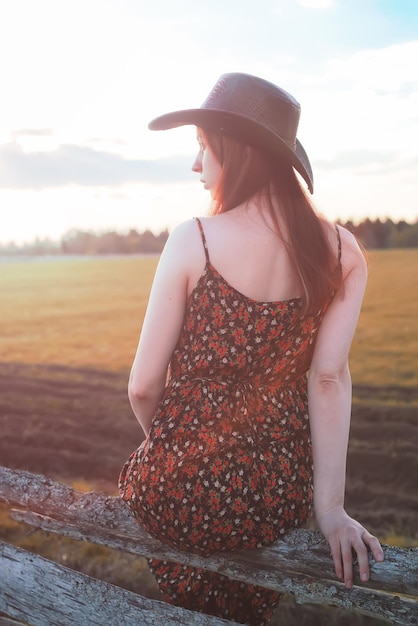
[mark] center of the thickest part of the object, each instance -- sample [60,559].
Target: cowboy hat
[250,109]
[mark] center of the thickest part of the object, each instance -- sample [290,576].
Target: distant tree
[383,234]
[79,242]
[40,247]
[110,243]
[162,238]
[406,237]
[149,243]
[366,234]
[133,242]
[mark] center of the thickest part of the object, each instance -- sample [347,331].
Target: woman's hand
[345,535]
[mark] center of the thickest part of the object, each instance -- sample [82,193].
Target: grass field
[385,348]
[69,334]
[84,312]
[88,312]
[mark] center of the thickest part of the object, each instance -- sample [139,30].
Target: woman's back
[245,248]
[229,336]
[250,256]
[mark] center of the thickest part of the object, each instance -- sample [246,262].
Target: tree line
[372,234]
[79,242]
[385,234]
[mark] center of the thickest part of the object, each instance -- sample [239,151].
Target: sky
[81,79]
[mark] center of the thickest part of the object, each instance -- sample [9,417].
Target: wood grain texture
[300,564]
[49,593]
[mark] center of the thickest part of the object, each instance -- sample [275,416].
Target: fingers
[374,546]
[362,557]
[342,553]
[347,556]
[336,557]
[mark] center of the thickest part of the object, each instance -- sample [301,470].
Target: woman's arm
[329,398]
[162,323]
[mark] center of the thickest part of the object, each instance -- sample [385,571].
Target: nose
[197,165]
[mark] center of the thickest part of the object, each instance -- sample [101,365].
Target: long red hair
[246,171]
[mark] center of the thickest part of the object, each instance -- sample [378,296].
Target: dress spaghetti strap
[202,234]
[340,267]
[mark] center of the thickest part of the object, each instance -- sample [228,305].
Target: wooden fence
[41,592]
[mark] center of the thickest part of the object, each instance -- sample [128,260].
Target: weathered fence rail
[42,592]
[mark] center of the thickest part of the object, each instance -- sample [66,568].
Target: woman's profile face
[207,165]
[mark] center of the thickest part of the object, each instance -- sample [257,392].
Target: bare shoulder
[187,230]
[349,240]
[183,254]
[352,256]
[184,242]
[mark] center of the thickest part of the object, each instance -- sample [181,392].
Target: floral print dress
[227,464]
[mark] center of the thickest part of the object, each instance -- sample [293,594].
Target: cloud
[32,132]
[365,162]
[83,166]
[361,160]
[388,69]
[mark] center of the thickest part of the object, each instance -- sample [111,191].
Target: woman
[244,304]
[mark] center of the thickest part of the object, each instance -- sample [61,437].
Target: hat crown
[251,110]
[259,101]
